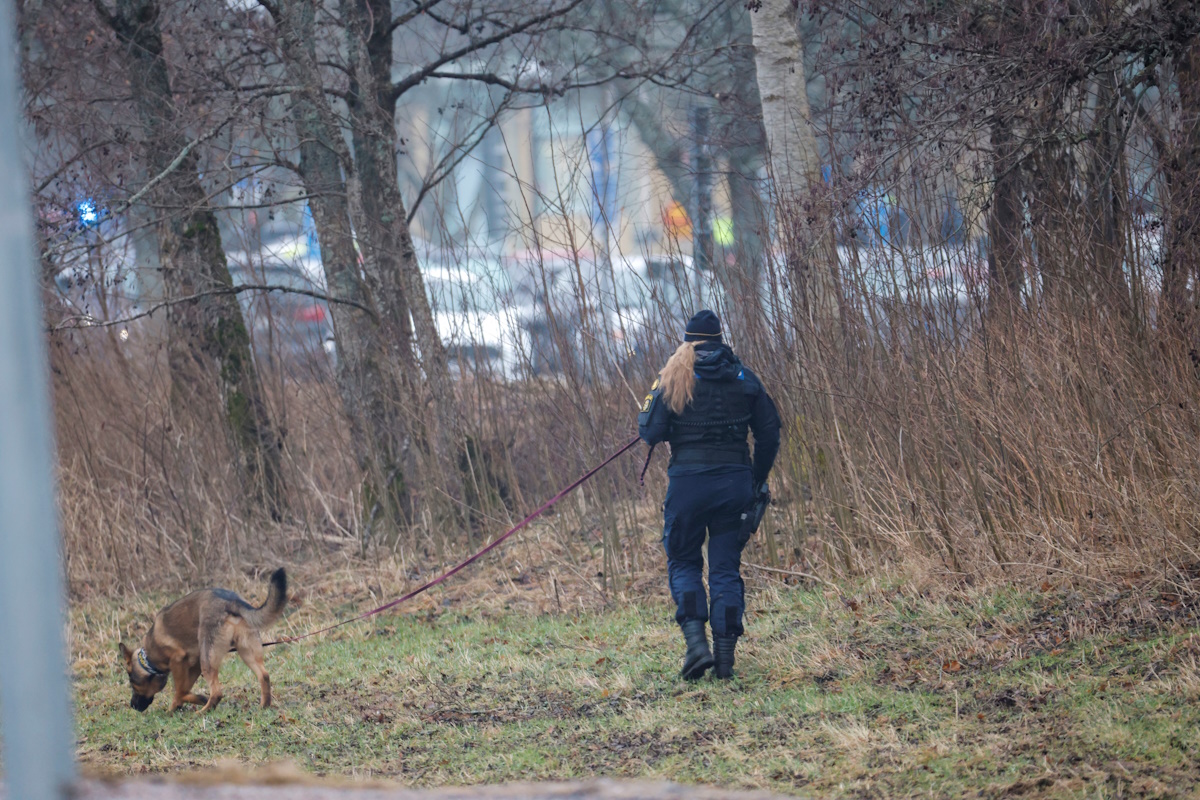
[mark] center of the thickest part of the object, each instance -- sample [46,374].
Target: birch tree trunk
[783,91]
[208,344]
[793,156]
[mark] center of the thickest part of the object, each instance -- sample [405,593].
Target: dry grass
[1058,450]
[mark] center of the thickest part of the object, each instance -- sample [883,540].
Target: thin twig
[85,321]
[793,573]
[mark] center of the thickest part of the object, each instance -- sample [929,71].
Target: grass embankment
[867,692]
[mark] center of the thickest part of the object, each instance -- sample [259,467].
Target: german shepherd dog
[190,638]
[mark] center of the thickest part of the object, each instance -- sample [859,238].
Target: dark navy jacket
[716,362]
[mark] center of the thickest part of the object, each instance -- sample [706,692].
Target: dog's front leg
[183,688]
[179,677]
[184,676]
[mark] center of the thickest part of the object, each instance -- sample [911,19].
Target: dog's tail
[272,609]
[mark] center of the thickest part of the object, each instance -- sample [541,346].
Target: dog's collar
[144,661]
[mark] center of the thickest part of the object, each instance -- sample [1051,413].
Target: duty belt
[705,455]
[678,423]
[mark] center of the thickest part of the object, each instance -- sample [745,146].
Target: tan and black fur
[190,638]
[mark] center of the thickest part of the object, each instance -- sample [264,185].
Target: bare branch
[492,79]
[85,321]
[463,28]
[408,16]
[415,78]
[451,160]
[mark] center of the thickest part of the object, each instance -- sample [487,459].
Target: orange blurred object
[676,221]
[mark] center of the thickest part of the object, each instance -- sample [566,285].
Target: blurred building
[570,176]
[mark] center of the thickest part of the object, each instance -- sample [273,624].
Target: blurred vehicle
[545,308]
[937,288]
[876,220]
[96,281]
[287,327]
[649,299]
[477,319]
[572,310]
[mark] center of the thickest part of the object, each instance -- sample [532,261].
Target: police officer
[704,403]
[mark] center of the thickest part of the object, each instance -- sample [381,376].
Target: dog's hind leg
[213,644]
[249,647]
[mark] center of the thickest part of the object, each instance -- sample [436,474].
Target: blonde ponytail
[678,377]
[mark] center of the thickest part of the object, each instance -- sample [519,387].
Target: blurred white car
[936,287]
[477,319]
[96,281]
[650,300]
[286,327]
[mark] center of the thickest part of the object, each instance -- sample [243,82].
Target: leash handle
[471,560]
[646,465]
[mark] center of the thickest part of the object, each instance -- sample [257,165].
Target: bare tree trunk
[749,218]
[783,90]
[667,149]
[373,138]
[1057,207]
[392,265]
[1182,252]
[747,148]
[1107,195]
[366,377]
[208,342]
[1004,220]
[793,155]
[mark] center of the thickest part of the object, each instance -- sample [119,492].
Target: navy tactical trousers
[712,504]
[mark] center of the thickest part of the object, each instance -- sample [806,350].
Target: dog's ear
[126,656]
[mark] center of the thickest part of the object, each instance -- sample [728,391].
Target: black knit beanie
[704,326]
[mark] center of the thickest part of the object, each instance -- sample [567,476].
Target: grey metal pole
[35,707]
[702,240]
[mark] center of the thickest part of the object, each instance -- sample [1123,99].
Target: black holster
[753,516]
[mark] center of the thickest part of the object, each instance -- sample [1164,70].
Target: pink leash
[456,569]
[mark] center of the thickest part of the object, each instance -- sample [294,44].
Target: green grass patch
[876,694]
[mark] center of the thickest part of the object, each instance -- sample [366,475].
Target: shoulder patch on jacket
[648,406]
[750,382]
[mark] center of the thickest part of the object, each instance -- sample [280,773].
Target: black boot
[723,647]
[698,658]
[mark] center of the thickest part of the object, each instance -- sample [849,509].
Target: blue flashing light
[88,215]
